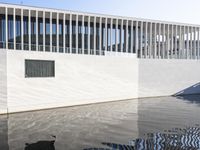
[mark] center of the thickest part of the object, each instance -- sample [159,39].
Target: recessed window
[39,68]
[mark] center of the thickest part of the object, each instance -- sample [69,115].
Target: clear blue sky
[187,11]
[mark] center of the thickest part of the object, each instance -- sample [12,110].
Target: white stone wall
[85,79]
[162,77]
[3,82]
[79,79]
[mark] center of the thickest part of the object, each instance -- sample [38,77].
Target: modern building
[55,58]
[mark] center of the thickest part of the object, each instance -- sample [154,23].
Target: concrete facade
[81,79]
[3,82]
[163,77]
[98,58]
[78,80]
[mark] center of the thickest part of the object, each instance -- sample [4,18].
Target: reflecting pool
[138,124]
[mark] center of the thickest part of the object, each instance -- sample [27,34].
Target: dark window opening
[39,68]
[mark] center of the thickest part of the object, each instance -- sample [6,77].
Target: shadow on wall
[4,133]
[194,89]
[191,94]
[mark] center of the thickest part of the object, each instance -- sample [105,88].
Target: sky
[184,11]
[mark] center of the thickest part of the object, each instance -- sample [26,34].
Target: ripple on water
[154,123]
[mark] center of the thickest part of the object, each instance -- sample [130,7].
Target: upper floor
[51,30]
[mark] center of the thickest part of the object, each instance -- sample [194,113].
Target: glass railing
[10,45]
[26,46]
[61,49]
[85,51]
[2,44]
[47,48]
[79,50]
[67,50]
[33,47]
[54,48]
[40,47]
[18,46]
[73,50]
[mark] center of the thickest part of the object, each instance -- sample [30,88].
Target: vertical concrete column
[44,31]
[64,32]
[36,20]
[88,34]
[184,48]
[95,33]
[141,40]
[187,50]
[50,31]
[172,42]
[132,36]
[198,45]
[77,50]
[83,36]
[14,27]
[106,33]
[191,43]
[168,41]
[116,36]
[197,42]
[194,44]
[146,40]
[6,24]
[57,33]
[121,43]
[159,32]
[111,27]
[164,42]
[22,29]
[155,40]
[29,28]
[100,36]
[183,43]
[180,43]
[126,36]
[136,38]
[70,33]
[175,41]
[150,41]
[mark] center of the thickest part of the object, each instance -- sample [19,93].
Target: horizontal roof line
[95,14]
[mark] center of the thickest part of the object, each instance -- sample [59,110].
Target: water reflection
[107,126]
[74,127]
[3,133]
[175,139]
[41,145]
[195,99]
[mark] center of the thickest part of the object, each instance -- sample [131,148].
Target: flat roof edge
[22,6]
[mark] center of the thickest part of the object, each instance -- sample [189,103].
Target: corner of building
[3,81]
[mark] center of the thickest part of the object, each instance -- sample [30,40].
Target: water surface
[154,123]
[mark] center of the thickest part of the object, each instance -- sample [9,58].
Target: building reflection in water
[175,139]
[4,133]
[41,145]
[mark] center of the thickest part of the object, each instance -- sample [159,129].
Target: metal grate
[39,68]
